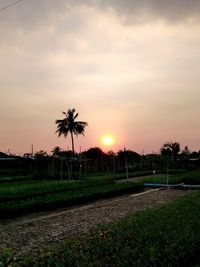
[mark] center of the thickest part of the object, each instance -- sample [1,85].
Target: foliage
[57,151]
[20,199]
[70,125]
[94,153]
[31,188]
[171,149]
[40,154]
[128,155]
[164,236]
[192,177]
[16,178]
[6,257]
[29,195]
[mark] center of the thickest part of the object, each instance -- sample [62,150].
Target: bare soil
[32,233]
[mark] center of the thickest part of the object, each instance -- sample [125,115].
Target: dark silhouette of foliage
[186,150]
[170,149]
[69,154]
[70,125]
[3,155]
[94,153]
[194,155]
[111,154]
[128,154]
[57,151]
[185,153]
[41,154]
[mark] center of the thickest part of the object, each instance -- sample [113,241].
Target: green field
[164,236]
[192,177]
[26,197]
[18,197]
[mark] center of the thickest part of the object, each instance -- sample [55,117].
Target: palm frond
[69,125]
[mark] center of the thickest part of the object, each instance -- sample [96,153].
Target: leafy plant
[6,257]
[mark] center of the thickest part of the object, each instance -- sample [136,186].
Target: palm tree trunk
[72,142]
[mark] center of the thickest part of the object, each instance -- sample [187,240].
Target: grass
[164,236]
[26,196]
[20,194]
[21,199]
[16,178]
[32,188]
[192,177]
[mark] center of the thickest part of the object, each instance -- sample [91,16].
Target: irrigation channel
[31,233]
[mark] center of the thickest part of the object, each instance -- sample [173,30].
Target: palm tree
[171,149]
[56,151]
[70,125]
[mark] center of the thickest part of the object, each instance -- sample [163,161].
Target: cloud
[78,53]
[144,10]
[29,14]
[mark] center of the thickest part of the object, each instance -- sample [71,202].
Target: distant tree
[94,153]
[57,151]
[70,125]
[129,154]
[28,155]
[3,155]
[170,149]
[194,155]
[185,151]
[111,154]
[69,154]
[40,154]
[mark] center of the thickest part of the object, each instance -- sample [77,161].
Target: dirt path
[140,178]
[29,234]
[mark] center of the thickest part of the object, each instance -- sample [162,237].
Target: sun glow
[107,140]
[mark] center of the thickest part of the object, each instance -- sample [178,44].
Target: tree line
[96,160]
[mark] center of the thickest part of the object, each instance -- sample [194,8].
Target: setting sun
[107,140]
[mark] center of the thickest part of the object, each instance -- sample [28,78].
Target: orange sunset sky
[130,68]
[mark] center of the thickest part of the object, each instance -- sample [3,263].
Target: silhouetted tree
[185,151]
[3,155]
[94,153]
[70,125]
[194,155]
[129,155]
[110,154]
[170,149]
[41,154]
[69,154]
[57,151]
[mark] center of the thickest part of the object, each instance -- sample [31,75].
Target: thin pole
[126,163]
[32,149]
[167,172]
[61,169]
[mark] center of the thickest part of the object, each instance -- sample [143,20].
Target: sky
[130,68]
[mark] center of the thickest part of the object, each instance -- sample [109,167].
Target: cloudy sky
[130,68]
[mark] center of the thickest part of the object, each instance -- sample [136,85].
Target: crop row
[164,236]
[24,190]
[187,178]
[62,199]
